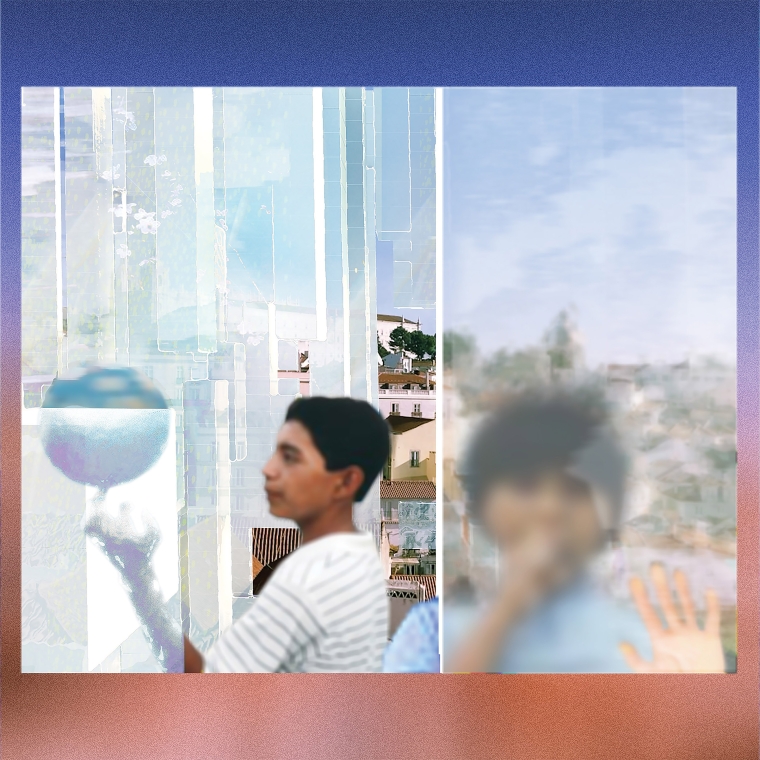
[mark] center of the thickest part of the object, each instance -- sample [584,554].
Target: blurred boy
[325,609]
[545,477]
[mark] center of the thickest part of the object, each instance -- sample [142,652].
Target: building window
[417,410]
[414,457]
[395,409]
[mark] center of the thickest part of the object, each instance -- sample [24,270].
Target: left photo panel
[229,379]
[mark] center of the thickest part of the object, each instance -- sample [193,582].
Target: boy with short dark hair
[325,609]
[545,478]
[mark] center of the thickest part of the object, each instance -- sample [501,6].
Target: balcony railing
[406,392]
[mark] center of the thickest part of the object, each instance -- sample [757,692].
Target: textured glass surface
[405,150]
[76,609]
[591,244]
[222,242]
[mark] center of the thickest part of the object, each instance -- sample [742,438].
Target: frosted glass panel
[222,242]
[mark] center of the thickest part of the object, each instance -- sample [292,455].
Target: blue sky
[620,202]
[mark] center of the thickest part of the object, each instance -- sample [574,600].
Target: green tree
[419,344]
[431,348]
[559,340]
[399,339]
[513,370]
[458,350]
[381,349]
[721,460]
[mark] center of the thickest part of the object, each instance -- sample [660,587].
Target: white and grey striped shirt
[324,610]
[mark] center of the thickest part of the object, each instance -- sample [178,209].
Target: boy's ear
[351,480]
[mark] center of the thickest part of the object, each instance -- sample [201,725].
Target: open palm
[682,646]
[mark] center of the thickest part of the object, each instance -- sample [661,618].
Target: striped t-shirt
[324,610]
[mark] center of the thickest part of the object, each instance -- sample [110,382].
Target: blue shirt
[414,648]
[576,631]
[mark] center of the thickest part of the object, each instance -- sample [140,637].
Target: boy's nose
[269,470]
[549,505]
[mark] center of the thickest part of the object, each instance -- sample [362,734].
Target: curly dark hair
[539,432]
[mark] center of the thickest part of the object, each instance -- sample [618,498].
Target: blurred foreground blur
[546,571]
[591,252]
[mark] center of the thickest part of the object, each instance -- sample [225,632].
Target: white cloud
[641,239]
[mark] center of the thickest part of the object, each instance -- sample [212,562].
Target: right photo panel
[589,380]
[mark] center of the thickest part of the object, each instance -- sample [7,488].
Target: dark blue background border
[561,43]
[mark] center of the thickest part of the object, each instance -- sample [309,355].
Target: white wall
[384,329]
[420,439]
[406,401]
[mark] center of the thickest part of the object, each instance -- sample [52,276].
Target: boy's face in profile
[553,510]
[298,484]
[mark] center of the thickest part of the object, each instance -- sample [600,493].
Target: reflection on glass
[590,309]
[222,242]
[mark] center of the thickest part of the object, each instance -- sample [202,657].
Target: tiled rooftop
[407,489]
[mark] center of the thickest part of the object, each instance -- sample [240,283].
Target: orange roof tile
[407,489]
[400,378]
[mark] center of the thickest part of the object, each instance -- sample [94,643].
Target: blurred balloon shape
[104,427]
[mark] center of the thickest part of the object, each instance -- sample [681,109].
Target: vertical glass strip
[203,134]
